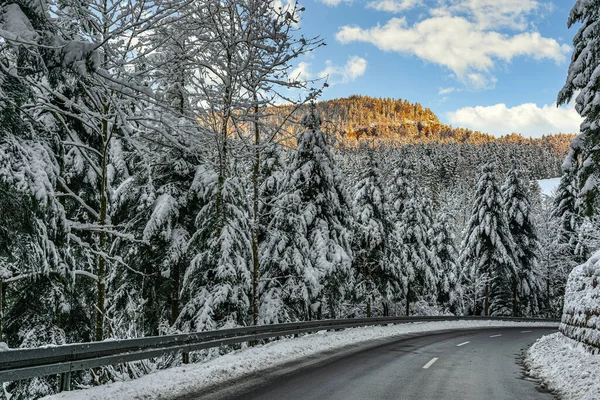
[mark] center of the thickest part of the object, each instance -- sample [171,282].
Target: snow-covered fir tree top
[488,241]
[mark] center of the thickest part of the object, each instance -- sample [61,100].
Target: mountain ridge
[389,121]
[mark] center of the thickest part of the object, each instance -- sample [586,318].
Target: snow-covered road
[193,378]
[473,364]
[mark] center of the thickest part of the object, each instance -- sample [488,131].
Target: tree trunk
[176,268]
[1,310]
[175,294]
[369,308]
[101,286]
[515,302]
[223,147]
[474,299]
[408,301]
[548,306]
[487,298]
[101,273]
[256,222]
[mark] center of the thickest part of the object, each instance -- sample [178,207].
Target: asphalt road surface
[459,365]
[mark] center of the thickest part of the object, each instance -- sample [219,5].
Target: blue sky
[491,65]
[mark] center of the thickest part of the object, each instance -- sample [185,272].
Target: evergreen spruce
[567,212]
[376,269]
[421,267]
[398,189]
[216,285]
[521,226]
[584,156]
[488,250]
[309,255]
[449,294]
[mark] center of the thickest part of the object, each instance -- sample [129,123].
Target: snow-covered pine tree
[272,174]
[450,293]
[273,43]
[151,199]
[308,257]
[567,212]
[525,287]
[421,267]
[555,262]
[376,269]
[41,304]
[398,189]
[584,156]
[94,94]
[580,299]
[152,204]
[217,284]
[488,250]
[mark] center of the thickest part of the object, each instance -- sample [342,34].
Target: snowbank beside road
[565,366]
[192,378]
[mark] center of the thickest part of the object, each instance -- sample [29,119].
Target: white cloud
[494,13]
[457,43]
[301,72]
[527,119]
[478,81]
[334,3]
[354,68]
[448,90]
[393,6]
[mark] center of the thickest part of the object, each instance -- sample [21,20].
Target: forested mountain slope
[398,122]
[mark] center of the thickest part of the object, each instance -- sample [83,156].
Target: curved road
[461,365]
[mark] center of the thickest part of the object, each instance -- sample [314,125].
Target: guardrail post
[185,357]
[65,381]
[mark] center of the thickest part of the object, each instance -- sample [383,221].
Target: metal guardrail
[42,361]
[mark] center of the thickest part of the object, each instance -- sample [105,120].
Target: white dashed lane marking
[462,344]
[496,335]
[430,363]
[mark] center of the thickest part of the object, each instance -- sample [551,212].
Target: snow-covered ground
[566,367]
[192,378]
[548,186]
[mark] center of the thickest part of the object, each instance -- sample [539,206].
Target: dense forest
[151,184]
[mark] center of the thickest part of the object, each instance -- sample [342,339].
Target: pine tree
[583,79]
[272,173]
[398,189]
[377,275]
[39,304]
[154,205]
[449,293]
[521,226]
[309,255]
[216,284]
[567,212]
[488,250]
[153,173]
[555,261]
[421,267]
